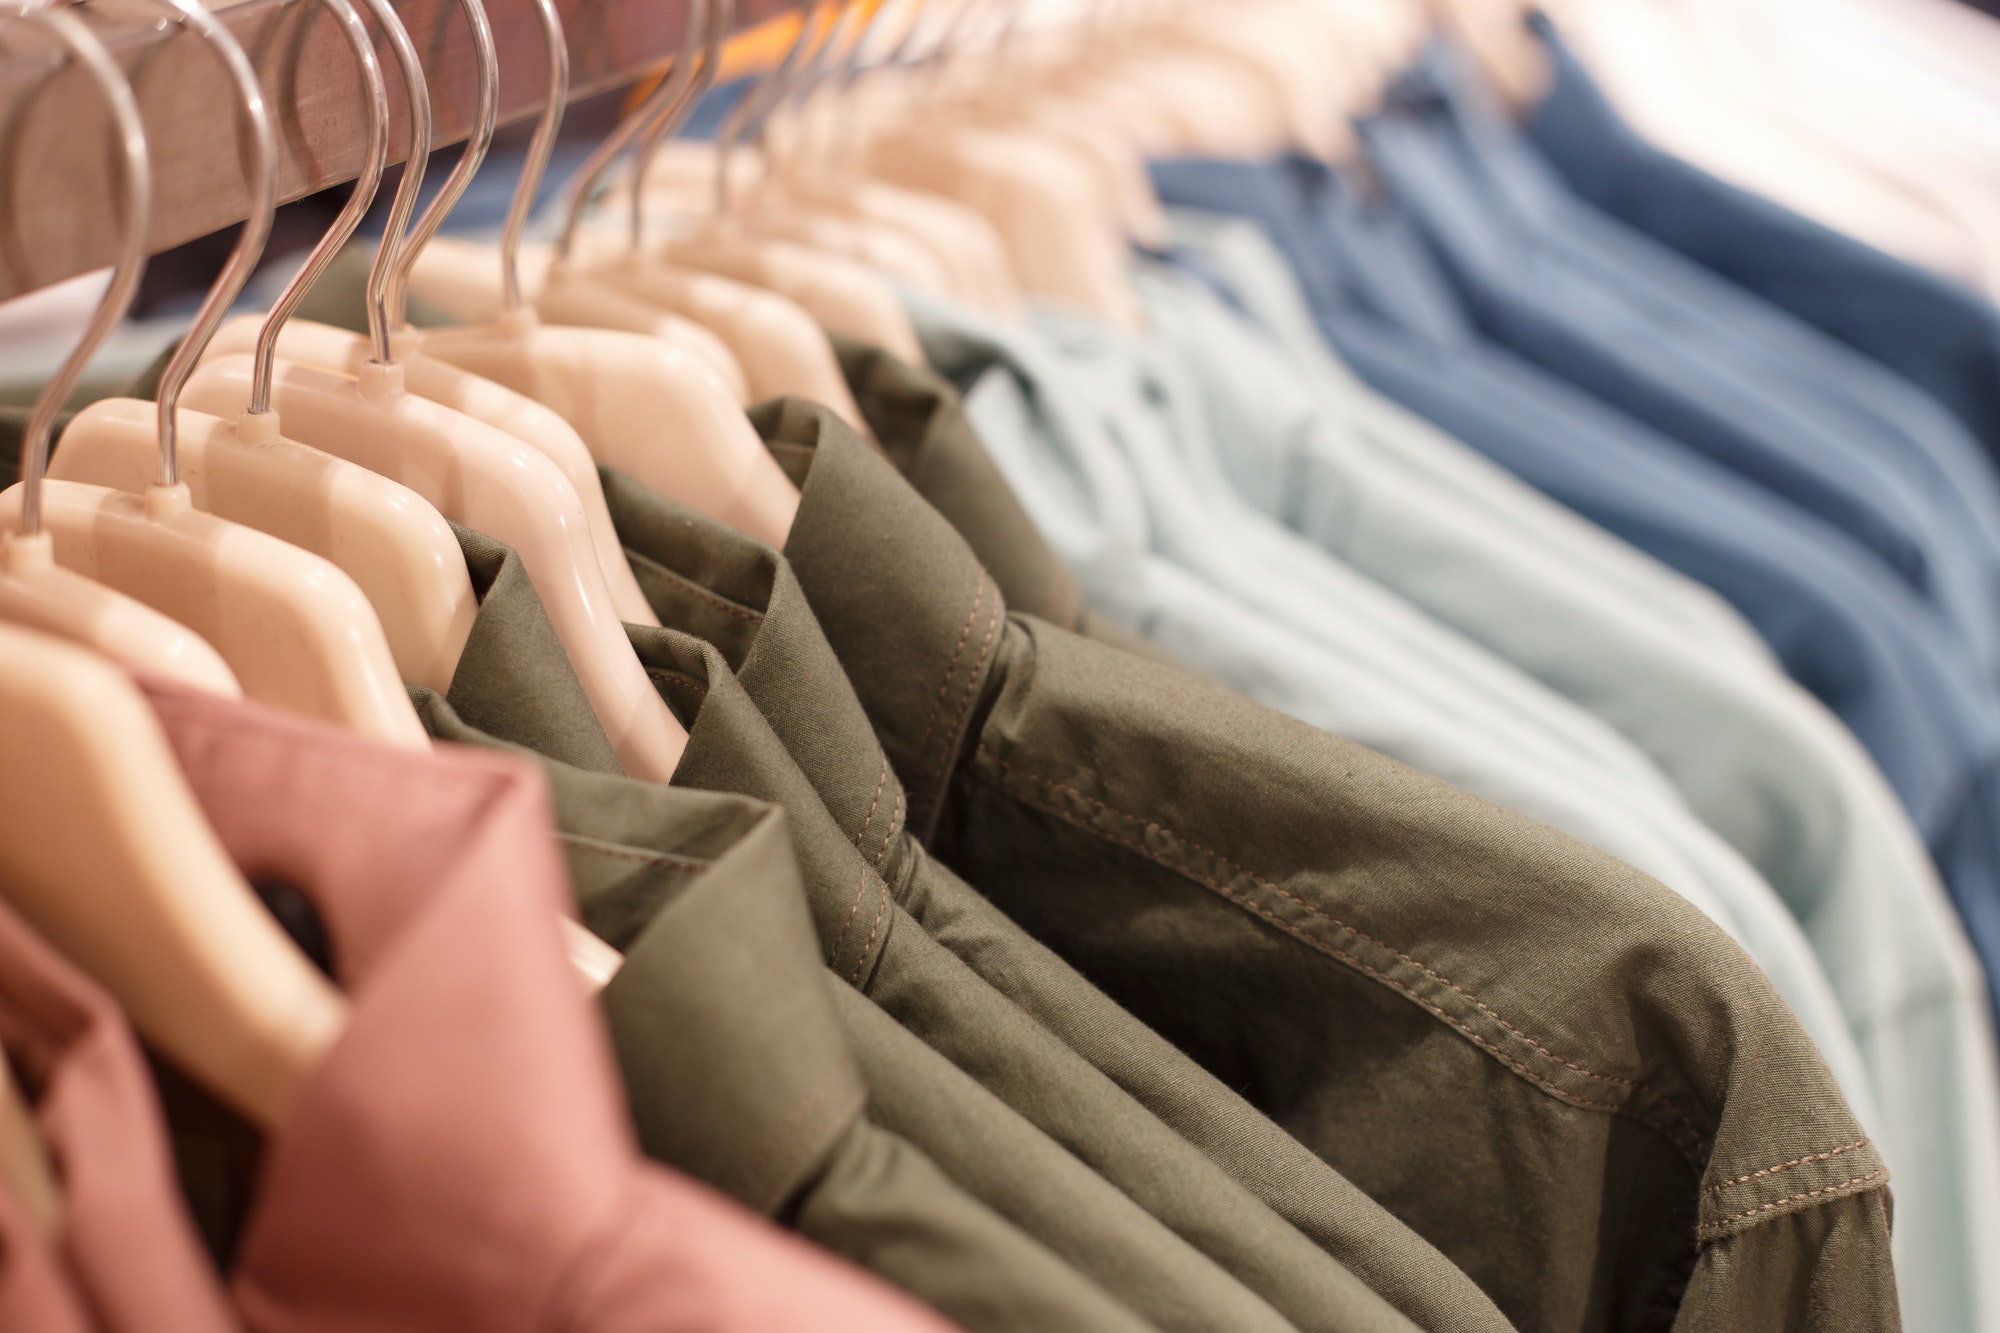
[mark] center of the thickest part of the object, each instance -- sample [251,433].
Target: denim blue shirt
[1627,320]
[1845,627]
[1937,334]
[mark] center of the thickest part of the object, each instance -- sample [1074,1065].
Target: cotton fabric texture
[460,1160]
[1846,629]
[1938,334]
[917,1018]
[732,1043]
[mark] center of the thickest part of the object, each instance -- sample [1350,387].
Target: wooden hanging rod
[58,192]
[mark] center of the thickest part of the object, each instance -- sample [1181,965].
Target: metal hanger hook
[344,226]
[485,120]
[663,101]
[540,149]
[137,170]
[261,180]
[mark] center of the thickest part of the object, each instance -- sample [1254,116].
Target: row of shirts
[1044,979]
[1799,423]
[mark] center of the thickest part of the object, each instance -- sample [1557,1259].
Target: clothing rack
[58,194]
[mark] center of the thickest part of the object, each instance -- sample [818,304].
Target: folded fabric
[736,1063]
[461,1159]
[948,1063]
[1249,885]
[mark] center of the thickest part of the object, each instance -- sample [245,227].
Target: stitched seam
[880,783]
[971,685]
[643,857]
[689,585]
[1786,1166]
[1314,910]
[860,892]
[881,913]
[669,676]
[951,668]
[895,823]
[722,603]
[1708,1228]
[1688,1149]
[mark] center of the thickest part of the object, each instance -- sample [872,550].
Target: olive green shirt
[514,684]
[730,1035]
[1555,1070]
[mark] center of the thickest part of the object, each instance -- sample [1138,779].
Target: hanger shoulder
[642,408]
[296,631]
[340,350]
[842,295]
[41,595]
[782,348]
[394,545]
[490,482]
[104,851]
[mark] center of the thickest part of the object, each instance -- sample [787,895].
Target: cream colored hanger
[391,541]
[104,851]
[1004,96]
[37,592]
[773,209]
[337,349]
[1056,215]
[825,176]
[782,347]
[844,296]
[475,473]
[27,1172]
[635,400]
[295,631]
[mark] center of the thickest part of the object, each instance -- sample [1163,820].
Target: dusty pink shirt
[462,1158]
[126,1260]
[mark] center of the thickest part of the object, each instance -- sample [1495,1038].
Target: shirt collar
[734,1061]
[461,1143]
[749,620]
[924,433]
[901,601]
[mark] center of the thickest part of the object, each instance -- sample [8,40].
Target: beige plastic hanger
[27,1171]
[295,630]
[391,541]
[782,348]
[841,294]
[773,209]
[475,473]
[34,590]
[825,176]
[104,851]
[1056,215]
[1007,97]
[337,349]
[635,400]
